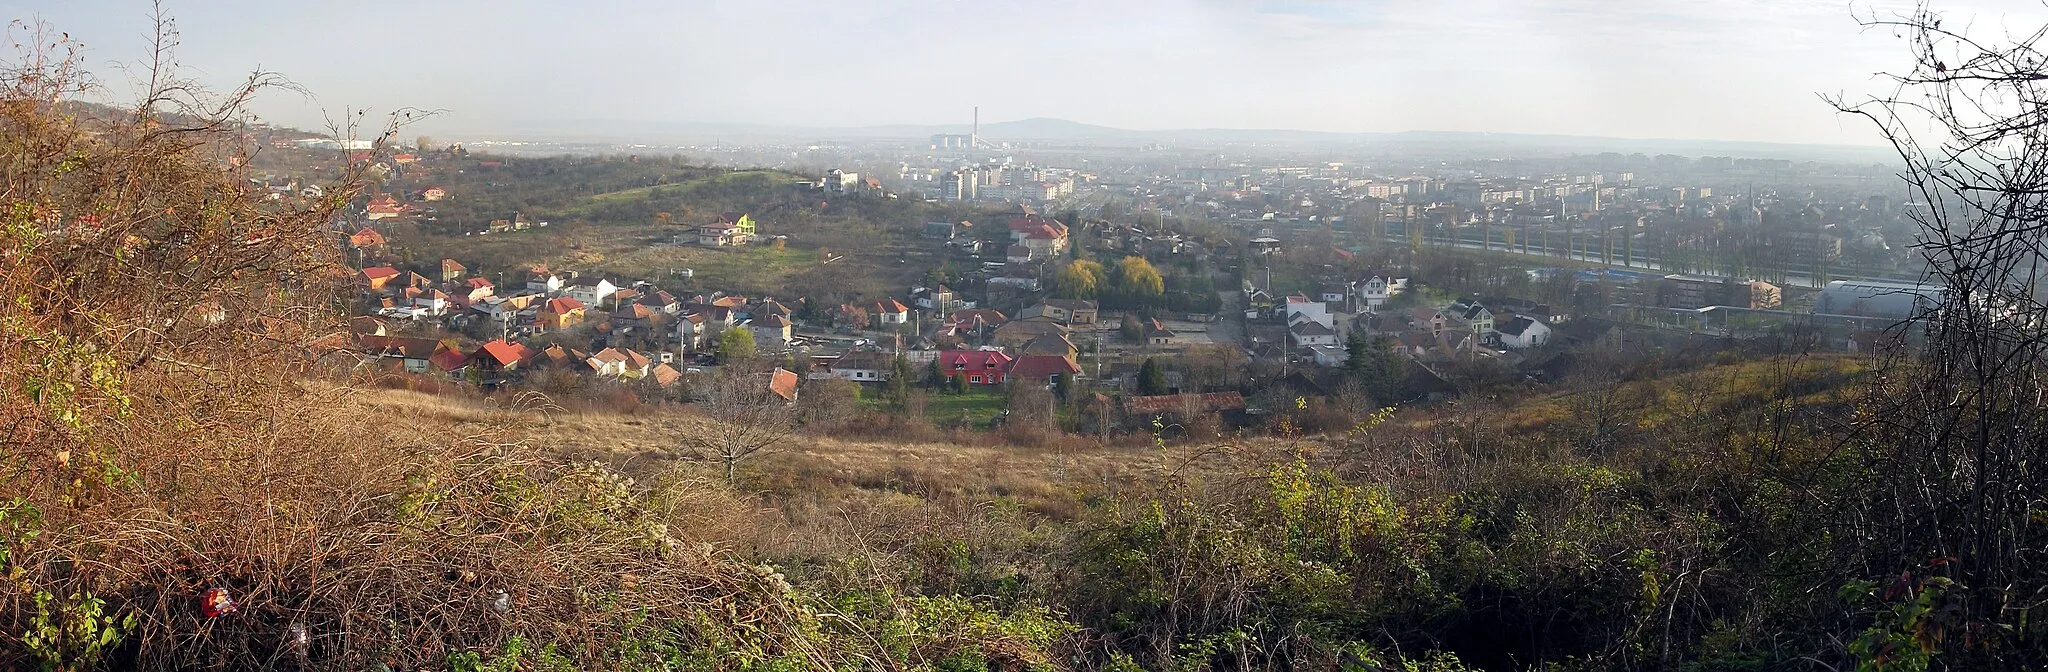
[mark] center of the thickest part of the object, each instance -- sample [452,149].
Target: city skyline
[1750,70]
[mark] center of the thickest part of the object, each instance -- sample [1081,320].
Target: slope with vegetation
[164,458]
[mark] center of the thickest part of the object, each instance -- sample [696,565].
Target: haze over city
[1749,70]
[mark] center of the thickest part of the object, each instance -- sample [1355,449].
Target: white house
[1332,356]
[591,290]
[545,283]
[1300,307]
[1375,292]
[1312,333]
[432,302]
[1523,331]
[1471,315]
[891,312]
[691,331]
[860,367]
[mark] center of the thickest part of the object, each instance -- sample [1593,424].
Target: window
[974,379]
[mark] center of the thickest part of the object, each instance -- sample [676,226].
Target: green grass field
[980,405]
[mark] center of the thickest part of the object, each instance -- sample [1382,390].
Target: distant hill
[1044,130]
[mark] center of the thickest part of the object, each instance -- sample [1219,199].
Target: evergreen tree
[1151,377]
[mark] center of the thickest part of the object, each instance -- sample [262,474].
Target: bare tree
[1959,443]
[747,420]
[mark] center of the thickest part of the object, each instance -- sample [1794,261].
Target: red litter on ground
[216,603]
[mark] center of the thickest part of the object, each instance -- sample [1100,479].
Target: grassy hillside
[606,215]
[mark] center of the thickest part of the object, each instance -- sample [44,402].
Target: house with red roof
[367,240]
[890,312]
[1045,237]
[981,367]
[380,276]
[499,356]
[1042,367]
[782,383]
[433,194]
[561,313]
[452,270]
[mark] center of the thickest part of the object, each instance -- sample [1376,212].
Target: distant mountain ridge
[1043,130]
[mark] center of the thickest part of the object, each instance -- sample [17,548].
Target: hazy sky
[1719,69]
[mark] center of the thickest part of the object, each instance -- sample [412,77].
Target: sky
[1747,70]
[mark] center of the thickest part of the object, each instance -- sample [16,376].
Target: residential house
[592,290]
[432,301]
[433,194]
[1310,332]
[1470,315]
[1332,356]
[1523,331]
[783,384]
[383,207]
[1375,292]
[1429,319]
[1158,334]
[452,270]
[558,358]
[941,230]
[692,330]
[1335,294]
[977,321]
[1042,367]
[380,277]
[543,282]
[635,318]
[665,375]
[1299,308]
[1018,332]
[1056,345]
[413,355]
[981,367]
[500,357]
[940,300]
[477,289]
[771,331]
[561,313]
[859,366]
[1063,311]
[1045,237]
[621,363]
[1019,254]
[728,230]
[889,312]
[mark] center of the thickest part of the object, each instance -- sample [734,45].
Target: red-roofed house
[433,194]
[380,276]
[891,311]
[981,367]
[367,240]
[1041,367]
[561,313]
[452,270]
[501,356]
[1045,237]
[782,384]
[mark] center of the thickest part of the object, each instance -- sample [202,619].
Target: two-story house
[980,367]
[771,331]
[592,290]
[1470,315]
[889,312]
[940,300]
